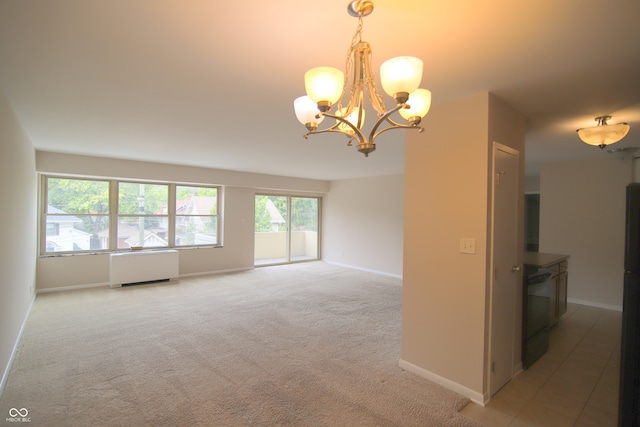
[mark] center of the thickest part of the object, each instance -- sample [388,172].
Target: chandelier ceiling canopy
[327,87]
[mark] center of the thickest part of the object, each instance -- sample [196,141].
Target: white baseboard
[383,273]
[595,304]
[476,397]
[517,370]
[109,284]
[5,374]
[208,273]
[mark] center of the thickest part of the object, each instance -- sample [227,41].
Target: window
[88,215]
[143,220]
[53,229]
[196,216]
[76,215]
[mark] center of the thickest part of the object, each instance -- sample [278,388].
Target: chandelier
[603,134]
[327,86]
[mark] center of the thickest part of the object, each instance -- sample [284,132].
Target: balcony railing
[271,247]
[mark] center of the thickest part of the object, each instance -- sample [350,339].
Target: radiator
[144,266]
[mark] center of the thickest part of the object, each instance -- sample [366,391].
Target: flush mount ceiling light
[326,86]
[603,134]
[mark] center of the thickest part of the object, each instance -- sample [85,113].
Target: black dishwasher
[536,313]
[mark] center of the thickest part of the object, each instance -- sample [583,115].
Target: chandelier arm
[374,96]
[316,131]
[385,117]
[357,133]
[350,66]
[396,126]
[355,66]
[401,125]
[330,130]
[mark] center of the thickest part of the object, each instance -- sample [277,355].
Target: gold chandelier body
[326,86]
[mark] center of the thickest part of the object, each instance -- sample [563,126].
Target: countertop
[539,259]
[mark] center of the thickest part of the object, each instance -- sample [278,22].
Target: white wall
[18,250]
[363,223]
[443,305]
[532,184]
[362,218]
[237,215]
[582,214]
[447,197]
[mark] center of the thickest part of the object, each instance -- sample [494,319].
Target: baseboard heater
[128,268]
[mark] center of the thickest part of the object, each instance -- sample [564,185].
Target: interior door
[506,271]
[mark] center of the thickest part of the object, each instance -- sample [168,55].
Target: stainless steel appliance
[536,313]
[629,409]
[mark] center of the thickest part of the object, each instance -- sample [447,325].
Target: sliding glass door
[286,229]
[304,228]
[271,230]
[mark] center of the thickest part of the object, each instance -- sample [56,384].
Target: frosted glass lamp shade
[603,135]
[307,110]
[324,84]
[402,74]
[420,103]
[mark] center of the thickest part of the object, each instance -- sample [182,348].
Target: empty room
[319,213]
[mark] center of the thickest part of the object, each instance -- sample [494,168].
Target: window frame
[44,214]
[289,228]
[176,216]
[142,216]
[113,214]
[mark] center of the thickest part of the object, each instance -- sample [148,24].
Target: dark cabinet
[559,283]
[558,265]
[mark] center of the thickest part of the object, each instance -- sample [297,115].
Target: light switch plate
[467,246]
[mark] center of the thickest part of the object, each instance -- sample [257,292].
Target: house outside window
[196,216]
[141,219]
[53,229]
[76,211]
[92,215]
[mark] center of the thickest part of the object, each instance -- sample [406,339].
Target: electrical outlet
[467,246]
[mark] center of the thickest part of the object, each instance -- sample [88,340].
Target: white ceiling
[211,83]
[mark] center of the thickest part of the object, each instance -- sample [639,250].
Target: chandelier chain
[373,92]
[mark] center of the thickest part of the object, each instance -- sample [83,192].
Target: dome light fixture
[326,86]
[603,134]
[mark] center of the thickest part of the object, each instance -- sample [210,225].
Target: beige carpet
[299,345]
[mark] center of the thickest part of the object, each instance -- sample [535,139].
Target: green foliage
[74,196]
[263,219]
[135,198]
[304,213]
[87,199]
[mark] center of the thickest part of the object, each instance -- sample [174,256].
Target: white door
[506,272]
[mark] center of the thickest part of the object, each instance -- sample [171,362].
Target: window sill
[178,248]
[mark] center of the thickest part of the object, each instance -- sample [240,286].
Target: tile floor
[574,384]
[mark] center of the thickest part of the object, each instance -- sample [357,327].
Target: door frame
[492,388]
[288,258]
